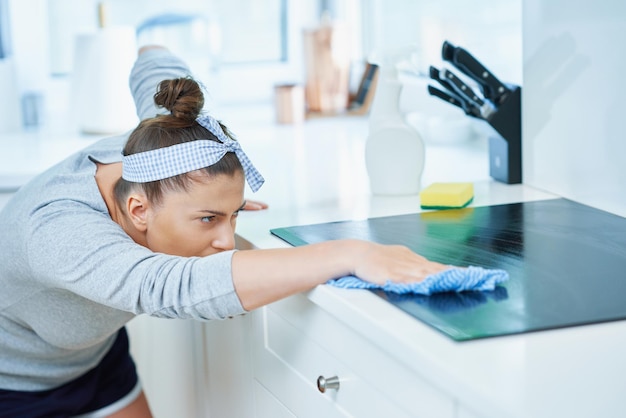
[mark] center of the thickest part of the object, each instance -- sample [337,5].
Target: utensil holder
[505,148]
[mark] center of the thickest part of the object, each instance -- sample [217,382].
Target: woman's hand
[254,205]
[378,263]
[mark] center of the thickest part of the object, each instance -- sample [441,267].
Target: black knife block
[505,146]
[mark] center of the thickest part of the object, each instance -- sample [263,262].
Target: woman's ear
[137,209]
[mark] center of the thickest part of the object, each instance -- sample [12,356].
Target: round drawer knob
[324,384]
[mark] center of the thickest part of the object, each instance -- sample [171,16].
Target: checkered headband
[162,163]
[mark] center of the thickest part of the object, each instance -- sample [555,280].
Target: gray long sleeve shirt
[70,277]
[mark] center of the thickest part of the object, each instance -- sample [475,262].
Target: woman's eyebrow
[220,213]
[212,212]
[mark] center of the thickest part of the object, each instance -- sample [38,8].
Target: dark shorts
[105,384]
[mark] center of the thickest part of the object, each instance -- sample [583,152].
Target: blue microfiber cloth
[455,279]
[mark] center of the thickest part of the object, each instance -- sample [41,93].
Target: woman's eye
[207,219]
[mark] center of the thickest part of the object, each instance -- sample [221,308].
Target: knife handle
[493,88]
[448,97]
[435,74]
[455,100]
[460,87]
[466,92]
[447,51]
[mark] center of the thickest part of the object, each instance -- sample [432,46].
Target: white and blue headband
[162,163]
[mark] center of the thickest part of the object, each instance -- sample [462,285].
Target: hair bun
[181,96]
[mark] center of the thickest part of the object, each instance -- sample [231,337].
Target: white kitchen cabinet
[295,342]
[266,364]
[267,405]
[169,356]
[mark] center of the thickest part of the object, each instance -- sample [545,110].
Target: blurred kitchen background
[241,49]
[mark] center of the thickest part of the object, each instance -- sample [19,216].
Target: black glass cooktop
[566,261]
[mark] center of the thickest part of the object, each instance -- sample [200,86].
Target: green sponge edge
[448,207]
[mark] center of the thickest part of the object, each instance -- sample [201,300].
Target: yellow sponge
[446,195]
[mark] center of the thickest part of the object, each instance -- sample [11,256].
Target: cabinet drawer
[267,406]
[296,342]
[288,364]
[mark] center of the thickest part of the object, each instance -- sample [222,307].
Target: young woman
[143,224]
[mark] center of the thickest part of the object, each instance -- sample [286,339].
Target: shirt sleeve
[78,249]
[150,68]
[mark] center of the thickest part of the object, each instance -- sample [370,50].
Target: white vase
[394,150]
[102,64]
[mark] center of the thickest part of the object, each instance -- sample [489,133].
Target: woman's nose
[225,239]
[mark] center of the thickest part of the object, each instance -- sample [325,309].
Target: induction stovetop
[566,261]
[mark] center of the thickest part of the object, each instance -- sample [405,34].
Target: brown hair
[184,99]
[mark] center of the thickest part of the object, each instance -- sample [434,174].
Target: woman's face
[200,221]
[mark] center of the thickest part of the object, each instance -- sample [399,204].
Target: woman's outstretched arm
[265,276]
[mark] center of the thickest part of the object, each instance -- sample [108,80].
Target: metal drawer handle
[324,384]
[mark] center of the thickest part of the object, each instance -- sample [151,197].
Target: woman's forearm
[265,276]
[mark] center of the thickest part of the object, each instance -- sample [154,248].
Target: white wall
[574,141]
[489,29]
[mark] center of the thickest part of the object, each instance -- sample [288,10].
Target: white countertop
[316,173]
